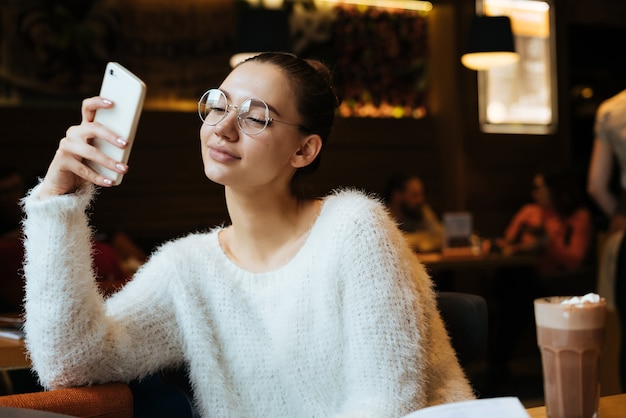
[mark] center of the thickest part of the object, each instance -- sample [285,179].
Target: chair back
[465,317]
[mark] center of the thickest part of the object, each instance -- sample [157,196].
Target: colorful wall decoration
[54,51]
[382,58]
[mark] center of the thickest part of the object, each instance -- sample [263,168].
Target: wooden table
[438,261]
[468,272]
[12,351]
[13,354]
[613,406]
[12,357]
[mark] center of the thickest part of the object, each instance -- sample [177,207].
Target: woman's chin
[214,175]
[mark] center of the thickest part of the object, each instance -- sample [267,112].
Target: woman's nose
[227,127]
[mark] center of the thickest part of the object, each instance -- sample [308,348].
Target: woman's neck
[267,229]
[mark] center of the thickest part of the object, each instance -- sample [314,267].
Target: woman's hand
[531,244]
[68,170]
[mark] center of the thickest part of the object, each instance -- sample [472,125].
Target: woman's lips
[221,154]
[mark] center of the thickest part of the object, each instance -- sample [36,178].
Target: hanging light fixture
[490,43]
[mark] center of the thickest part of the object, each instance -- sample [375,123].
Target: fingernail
[107,101]
[121,141]
[120,167]
[107,182]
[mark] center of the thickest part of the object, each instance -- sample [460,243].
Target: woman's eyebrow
[269,106]
[225,92]
[272,108]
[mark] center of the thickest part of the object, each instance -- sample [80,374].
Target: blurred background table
[13,354]
[470,272]
[468,261]
[12,357]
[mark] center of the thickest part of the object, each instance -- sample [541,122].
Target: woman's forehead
[256,80]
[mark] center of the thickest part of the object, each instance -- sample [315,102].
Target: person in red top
[558,228]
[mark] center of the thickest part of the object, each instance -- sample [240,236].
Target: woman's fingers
[78,150]
[80,138]
[89,108]
[90,105]
[68,169]
[86,132]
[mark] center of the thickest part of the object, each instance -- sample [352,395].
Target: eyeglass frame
[268,119]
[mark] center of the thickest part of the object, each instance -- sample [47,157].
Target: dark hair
[397,183]
[565,192]
[316,100]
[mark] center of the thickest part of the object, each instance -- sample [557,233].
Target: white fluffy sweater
[347,328]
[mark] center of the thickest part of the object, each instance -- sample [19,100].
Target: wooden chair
[152,397]
[111,400]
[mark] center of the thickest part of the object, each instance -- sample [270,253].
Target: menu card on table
[508,406]
[457,233]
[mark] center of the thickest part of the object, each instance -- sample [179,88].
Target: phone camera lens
[111,71]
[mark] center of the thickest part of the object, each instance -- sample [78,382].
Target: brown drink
[570,337]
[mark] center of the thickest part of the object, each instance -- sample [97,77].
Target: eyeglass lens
[252,115]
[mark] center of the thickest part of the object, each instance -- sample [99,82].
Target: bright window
[521,97]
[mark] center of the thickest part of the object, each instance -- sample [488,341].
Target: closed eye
[255,121]
[218,109]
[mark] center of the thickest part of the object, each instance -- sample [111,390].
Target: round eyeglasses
[253,115]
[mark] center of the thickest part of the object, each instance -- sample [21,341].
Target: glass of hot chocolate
[570,335]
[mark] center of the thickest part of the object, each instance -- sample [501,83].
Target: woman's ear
[307,152]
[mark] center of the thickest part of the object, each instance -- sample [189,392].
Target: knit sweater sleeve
[72,336]
[397,352]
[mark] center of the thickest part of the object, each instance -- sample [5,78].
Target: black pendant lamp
[490,43]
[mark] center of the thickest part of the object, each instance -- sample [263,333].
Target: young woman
[300,307]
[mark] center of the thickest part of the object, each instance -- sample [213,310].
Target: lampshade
[490,43]
[260,30]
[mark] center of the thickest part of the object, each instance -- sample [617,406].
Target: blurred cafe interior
[475,136]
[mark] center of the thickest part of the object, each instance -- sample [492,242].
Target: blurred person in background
[608,158]
[557,228]
[406,199]
[130,256]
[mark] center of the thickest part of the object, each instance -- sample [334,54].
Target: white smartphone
[127,92]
